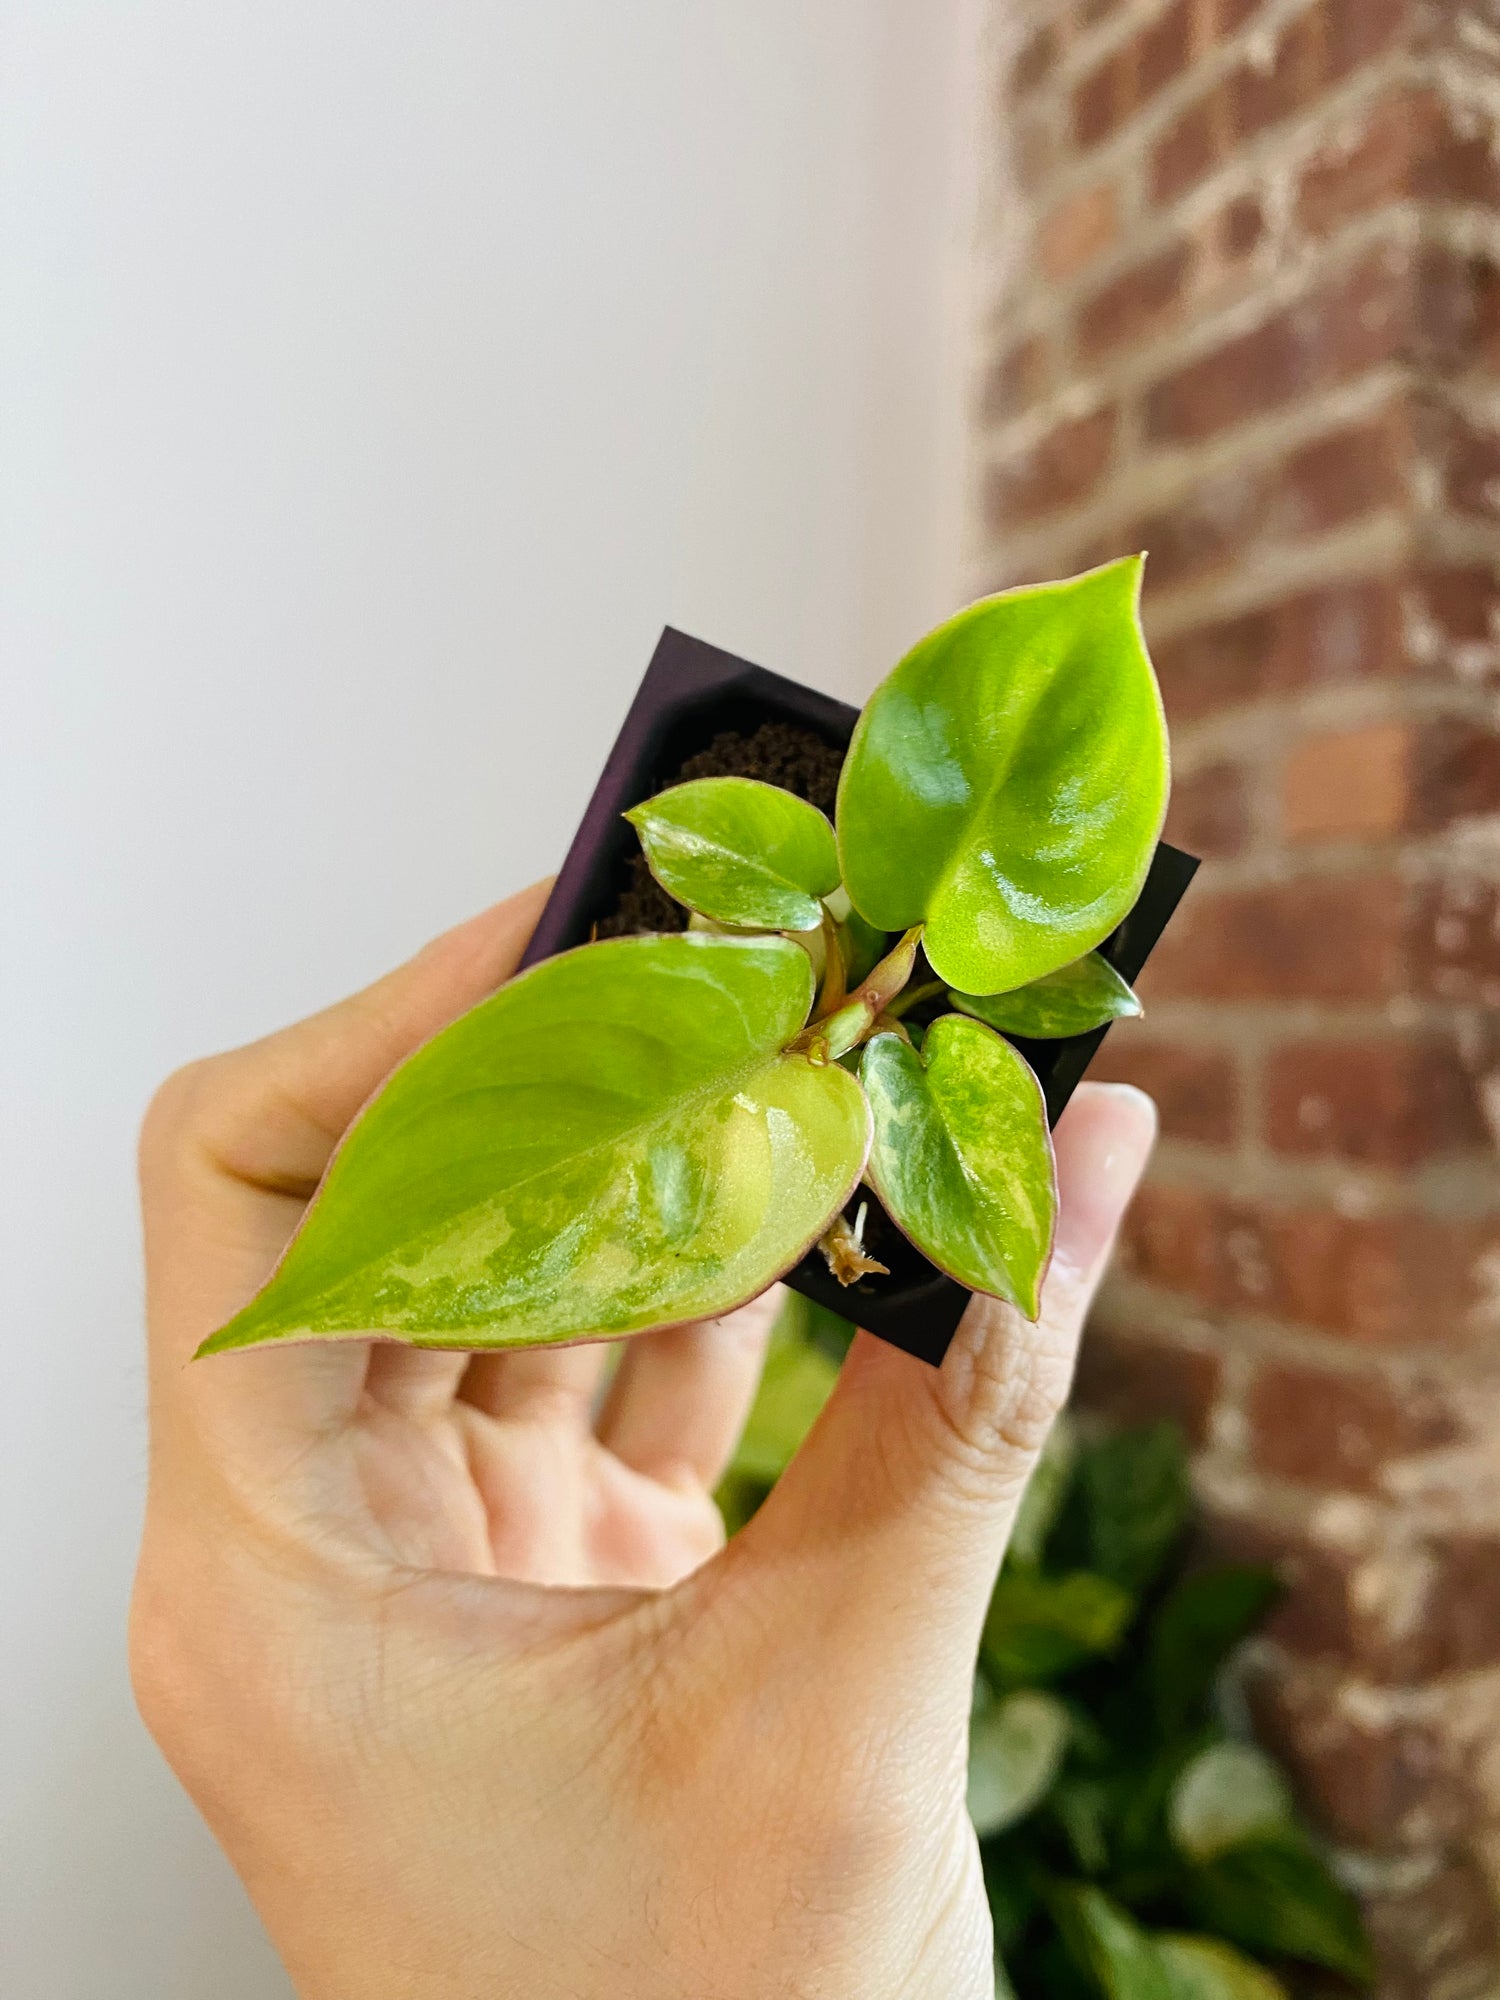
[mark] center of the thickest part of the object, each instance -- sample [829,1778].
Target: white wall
[376,379]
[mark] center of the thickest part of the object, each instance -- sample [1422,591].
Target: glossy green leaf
[1071,1001]
[1200,1622]
[740,851]
[1200,1968]
[1007,782]
[614,1141]
[1278,1897]
[962,1157]
[1040,1626]
[1016,1749]
[1230,1793]
[1134,1492]
[1083,1808]
[1106,1942]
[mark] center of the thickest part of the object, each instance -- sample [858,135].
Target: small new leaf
[962,1157]
[1007,782]
[741,852]
[1071,1001]
[617,1140]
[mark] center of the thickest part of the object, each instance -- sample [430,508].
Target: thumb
[889,1526]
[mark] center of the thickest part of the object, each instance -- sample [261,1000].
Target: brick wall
[1254,328]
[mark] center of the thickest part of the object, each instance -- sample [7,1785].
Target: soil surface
[778,753]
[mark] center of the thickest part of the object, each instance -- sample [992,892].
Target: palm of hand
[499,1467]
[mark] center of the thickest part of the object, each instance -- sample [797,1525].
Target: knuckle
[1001,1390]
[173,1114]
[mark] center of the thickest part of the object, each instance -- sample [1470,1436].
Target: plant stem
[844,1029]
[914,996]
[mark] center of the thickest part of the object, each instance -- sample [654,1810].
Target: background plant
[1137,1845]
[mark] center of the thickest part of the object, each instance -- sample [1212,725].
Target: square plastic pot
[691,692]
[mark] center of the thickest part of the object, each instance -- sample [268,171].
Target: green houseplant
[650,1130]
[1137,1844]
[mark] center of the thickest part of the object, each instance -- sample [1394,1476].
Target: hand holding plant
[433,1640]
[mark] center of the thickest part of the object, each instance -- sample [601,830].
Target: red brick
[1020,377]
[1456,606]
[1137,1378]
[1453,773]
[1360,468]
[1164,49]
[1243,378]
[1034,149]
[1329,938]
[1336,1431]
[1461,1631]
[1381,1782]
[1131,306]
[1379,1282]
[1230,15]
[1329,1611]
[1396,1614]
[1186,151]
[1472,472]
[1203,530]
[1171,1237]
[1196,1090]
[1241,227]
[1408,148]
[1389,1103]
[1356,31]
[1435,1934]
[1078,231]
[1455,942]
[1036,58]
[1210,811]
[1348,785]
[1260,96]
[1356,470]
[1061,469]
[1343,632]
[1102,101]
[1351,323]
[1390,778]
[1456,310]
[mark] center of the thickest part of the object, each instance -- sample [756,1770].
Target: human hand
[454,1662]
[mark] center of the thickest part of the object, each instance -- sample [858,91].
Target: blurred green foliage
[1135,1846]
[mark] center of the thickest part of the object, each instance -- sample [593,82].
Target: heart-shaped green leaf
[1016,1749]
[1040,1626]
[1106,1942]
[962,1157]
[1006,783]
[1071,1001]
[741,852]
[1201,1968]
[615,1141]
[1202,1619]
[1277,1896]
[1230,1793]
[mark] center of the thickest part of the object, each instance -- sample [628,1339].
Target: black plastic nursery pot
[693,694]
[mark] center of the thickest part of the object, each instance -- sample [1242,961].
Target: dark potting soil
[778,753]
